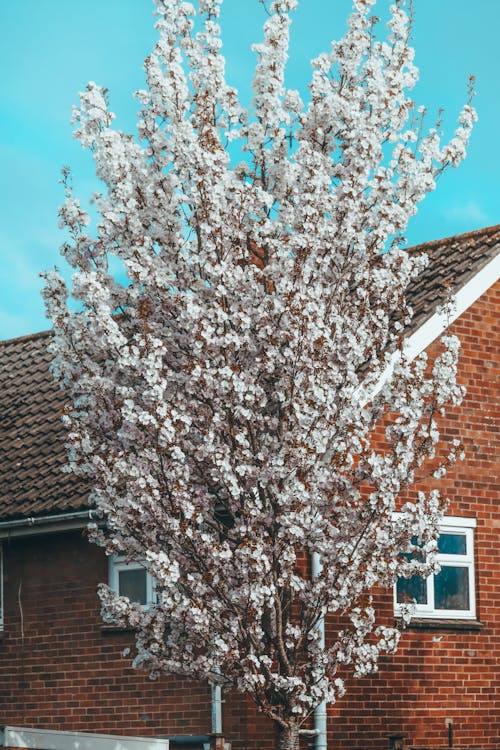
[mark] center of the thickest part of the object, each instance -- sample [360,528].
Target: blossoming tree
[237,313]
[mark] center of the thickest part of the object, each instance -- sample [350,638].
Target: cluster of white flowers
[217,392]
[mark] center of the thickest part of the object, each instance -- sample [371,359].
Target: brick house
[63,672]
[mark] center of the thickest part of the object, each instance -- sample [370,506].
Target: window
[131,579]
[451,592]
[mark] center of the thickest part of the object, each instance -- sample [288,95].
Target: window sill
[428,623]
[111,629]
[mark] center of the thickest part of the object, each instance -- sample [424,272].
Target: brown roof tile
[32,452]
[453,261]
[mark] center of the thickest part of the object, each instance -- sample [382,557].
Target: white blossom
[218,380]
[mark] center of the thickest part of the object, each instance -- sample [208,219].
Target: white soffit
[464,298]
[45,739]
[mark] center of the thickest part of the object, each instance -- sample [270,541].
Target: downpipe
[216,709]
[320,710]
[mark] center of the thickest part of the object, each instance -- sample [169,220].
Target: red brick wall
[441,674]
[67,673]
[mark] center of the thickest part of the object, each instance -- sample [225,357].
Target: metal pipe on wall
[320,742]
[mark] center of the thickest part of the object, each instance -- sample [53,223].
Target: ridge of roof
[27,337]
[475,233]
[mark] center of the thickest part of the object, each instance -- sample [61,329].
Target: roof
[453,262]
[32,454]
[32,451]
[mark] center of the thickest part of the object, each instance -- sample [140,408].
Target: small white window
[131,579]
[449,594]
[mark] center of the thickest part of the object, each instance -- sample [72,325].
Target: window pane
[451,588]
[411,589]
[452,544]
[132,583]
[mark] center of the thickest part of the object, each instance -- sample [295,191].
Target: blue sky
[51,48]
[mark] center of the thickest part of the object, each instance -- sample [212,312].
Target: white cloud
[467,213]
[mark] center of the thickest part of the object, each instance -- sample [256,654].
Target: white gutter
[45,524]
[44,739]
[320,742]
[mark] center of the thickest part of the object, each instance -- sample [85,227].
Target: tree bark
[289,738]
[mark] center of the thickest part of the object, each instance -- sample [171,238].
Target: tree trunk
[289,738]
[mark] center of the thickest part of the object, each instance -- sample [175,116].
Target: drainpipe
[216,709]
[320,710]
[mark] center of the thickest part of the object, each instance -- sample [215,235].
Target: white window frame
[118,563]
[449,525]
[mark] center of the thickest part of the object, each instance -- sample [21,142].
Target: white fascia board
[463,299]
[46,739]
[439,322]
